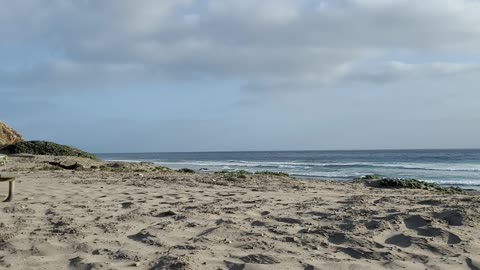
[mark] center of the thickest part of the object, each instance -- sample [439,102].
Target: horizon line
[335,150]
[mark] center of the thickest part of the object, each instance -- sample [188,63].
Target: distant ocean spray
[447,167]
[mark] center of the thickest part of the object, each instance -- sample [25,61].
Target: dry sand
[138,218]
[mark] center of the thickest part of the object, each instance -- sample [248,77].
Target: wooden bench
[11,185]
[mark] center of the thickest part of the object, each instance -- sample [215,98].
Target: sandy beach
[135,216]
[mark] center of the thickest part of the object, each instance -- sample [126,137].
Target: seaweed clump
[242,174]
[269,173]
[185,170]
[414,184]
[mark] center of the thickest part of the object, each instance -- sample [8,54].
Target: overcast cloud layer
[260,48]
[272,43]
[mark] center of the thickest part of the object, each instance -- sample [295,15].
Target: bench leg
[11,188]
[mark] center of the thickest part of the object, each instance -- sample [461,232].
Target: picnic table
[11,185]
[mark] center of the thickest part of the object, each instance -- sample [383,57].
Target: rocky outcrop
[8,135]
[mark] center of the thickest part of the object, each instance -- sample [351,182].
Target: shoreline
[468,187]
[116,215]
[452,167]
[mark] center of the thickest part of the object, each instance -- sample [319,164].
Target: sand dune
[136,217]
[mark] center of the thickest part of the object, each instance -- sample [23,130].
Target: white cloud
[399,71]
[270,44]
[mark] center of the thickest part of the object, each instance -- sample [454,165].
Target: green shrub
[186,170]
[162,169]
[45,148]
[234,175]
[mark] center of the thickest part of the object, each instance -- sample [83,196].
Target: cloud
[63,45]
[396,71]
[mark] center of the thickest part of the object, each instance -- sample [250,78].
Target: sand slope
[98,219]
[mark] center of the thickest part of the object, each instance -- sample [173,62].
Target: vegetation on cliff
[45,148]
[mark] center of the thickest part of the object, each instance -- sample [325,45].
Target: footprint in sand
[446,236]
[78,263]
[406,241]
[423,227]
[416,221]
[455,217]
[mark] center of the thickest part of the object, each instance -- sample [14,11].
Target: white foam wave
[312,165]
[341,170]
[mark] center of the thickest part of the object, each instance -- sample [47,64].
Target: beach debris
[168,213]
[80,264]
[259,259]
[169,262]
[74,166]
[146,237]
[291,239]
[289,220]
[127,204]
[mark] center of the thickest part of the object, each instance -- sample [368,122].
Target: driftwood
[74,166]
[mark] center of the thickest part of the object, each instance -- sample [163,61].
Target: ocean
[446,167]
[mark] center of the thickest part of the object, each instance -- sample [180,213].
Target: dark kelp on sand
[377,181]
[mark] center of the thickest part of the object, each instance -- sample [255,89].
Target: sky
[238,75]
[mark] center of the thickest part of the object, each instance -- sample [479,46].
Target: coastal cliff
[8,135]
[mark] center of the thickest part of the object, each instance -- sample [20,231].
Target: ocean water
[446,167]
